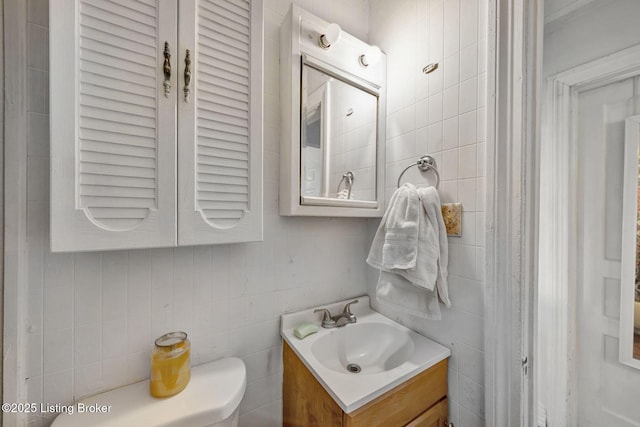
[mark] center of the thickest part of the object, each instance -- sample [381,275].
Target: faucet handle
[327,321]
[347,307]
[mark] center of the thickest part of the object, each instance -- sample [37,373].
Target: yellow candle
[170,365]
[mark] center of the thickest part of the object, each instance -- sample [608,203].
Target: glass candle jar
[170,364]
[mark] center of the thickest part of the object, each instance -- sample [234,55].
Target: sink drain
[353,368]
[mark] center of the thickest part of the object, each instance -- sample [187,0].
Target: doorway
[581,380]
[606,389]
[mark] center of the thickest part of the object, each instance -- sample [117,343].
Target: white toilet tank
[211,399]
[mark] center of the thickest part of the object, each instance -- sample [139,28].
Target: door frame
[513,112]
[559,146]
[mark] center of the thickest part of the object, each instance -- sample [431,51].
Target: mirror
[630,275]
[332,150]
[338,139]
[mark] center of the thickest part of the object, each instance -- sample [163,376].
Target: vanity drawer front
[434,417]
[404,403]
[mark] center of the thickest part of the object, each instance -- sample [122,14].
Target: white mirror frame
[299,33]
[311,201]
[629,221]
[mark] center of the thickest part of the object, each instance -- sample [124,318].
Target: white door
[220,122]
[113,124]
[608,393]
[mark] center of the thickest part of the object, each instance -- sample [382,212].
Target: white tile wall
[353,141]
[452,33]
[92,317]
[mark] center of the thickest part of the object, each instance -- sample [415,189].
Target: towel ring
[424,163]
[348,179]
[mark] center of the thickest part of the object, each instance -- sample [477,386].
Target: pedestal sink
[358,362]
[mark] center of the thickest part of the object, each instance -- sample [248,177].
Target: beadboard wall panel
[92,317]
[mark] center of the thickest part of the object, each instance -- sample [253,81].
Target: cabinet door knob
[187,74]
[166,69]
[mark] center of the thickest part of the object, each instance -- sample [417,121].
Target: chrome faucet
[329,321]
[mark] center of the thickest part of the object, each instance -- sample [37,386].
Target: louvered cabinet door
[113,124]
[220,122]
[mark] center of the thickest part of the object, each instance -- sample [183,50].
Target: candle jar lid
[171,341]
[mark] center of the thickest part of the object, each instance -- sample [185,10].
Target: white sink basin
[361,361]
[372,347]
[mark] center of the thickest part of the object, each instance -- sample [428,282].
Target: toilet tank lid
[212,395]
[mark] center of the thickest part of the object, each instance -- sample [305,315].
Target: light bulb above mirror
[330,36]
[371,56]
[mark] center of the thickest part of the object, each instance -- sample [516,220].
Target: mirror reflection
[630,271]
[339,137]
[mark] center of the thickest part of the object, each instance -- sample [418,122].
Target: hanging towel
[395,244]
[425,272]
[414,287]
[344,194]
[398,293]
[431,204]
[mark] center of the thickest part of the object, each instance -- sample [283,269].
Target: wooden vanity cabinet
[436,416]
[418,402]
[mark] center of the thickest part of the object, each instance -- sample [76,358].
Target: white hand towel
[395,244]
[399,294]
[413,287]
[425,273]
[431,204]
[344,194]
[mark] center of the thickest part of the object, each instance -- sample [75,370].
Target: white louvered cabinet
[220,115]
[144,157]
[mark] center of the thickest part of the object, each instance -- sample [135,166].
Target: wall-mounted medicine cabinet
[156,123]
[332,153]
